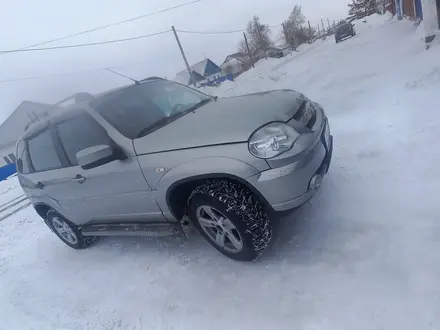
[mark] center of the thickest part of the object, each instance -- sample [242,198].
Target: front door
[113,192]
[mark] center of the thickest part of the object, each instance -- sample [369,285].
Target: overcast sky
[24,22]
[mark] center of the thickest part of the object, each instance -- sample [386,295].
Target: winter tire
[231,218]
[67,231]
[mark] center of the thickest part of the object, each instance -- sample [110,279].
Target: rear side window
[79,133]
[23,164]
[12,157]
[42,152]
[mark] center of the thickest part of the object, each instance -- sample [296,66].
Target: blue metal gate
[7,170]
[418,6]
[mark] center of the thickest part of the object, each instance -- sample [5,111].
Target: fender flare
[200,169]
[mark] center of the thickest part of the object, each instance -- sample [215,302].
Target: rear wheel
[231,218]
[68,232]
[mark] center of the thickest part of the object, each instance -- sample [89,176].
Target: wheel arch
[178,193]
[42,209]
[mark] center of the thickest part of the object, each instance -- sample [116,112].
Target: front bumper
[290,186]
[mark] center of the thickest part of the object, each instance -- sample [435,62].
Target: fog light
[315,182]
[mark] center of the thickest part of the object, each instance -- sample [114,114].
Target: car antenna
[120,74]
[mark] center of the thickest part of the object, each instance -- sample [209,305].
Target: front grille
[306,114]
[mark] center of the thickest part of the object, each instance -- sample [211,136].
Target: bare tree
[292,32]
[258,35]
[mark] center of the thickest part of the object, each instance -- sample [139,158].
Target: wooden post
[191,78]
[286,37]
[249,51]
[310,31]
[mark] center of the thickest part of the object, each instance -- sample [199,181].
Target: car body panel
[163,170]
[210,142]
[227,120]
[344,30]
[288,187]
[113,192]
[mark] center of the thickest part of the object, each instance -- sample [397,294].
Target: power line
[103,27]
[211,32]
[103,43]
[71,73]
[84,45]
[219,32]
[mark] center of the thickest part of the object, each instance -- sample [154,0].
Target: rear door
[41,167]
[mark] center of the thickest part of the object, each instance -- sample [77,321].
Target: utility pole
[286,37]
[398,5]
[191,78]
[294,39]
[249,51]
[310,31]
[328,22]
[323,28]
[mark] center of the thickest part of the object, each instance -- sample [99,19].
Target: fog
[25,22]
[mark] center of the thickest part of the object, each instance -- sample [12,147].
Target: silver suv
[146,157]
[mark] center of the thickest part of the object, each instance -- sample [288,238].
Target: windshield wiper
[166,120]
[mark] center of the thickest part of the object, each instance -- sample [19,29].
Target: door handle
[39,185]
[79,178]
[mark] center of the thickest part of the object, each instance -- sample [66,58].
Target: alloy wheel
[64,230]
[219,229]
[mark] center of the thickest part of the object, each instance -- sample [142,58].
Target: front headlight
[272,140]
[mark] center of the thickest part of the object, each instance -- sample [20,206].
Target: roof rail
[152,78]
[77,97]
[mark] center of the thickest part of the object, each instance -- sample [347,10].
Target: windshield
[135,109]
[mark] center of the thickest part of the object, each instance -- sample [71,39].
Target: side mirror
[95,156]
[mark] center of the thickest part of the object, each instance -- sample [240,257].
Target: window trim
[25,151]
[49,128]
[60,144]
[7,160]
[12,157]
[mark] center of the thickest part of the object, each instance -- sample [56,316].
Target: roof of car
[70,110]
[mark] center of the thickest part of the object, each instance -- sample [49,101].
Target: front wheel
[231,218]
[68,232]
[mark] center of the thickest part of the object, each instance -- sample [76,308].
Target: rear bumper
[292,185]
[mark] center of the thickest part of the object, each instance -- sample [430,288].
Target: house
[426,10]
[12,128]
[203,70]
[235,64]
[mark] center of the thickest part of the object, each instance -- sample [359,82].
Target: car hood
[226,120]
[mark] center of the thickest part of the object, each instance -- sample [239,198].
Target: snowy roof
[238,56]
[198,69]
[12,128]
[231,61]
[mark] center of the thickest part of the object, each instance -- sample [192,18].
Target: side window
[79,133]
[42,152]
[12,157]
[23,164]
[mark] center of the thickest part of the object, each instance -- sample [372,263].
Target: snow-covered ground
[363,254]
